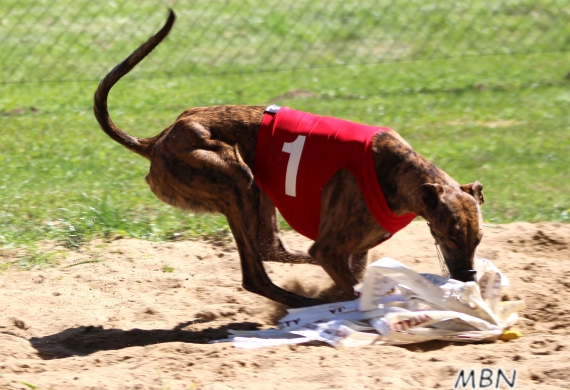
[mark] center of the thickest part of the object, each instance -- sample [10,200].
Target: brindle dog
[204,162]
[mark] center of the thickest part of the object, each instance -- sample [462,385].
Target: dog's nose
[467,275]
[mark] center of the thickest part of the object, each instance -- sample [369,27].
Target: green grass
[71,40]
[31,257]
[503,120]
[84,262]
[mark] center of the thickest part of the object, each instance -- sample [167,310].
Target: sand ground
[125,323]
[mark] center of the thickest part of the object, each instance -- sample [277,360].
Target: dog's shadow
[85,340]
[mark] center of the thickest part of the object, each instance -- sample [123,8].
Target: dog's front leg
[347,230]
[243,221]
[270,243]
[358,263]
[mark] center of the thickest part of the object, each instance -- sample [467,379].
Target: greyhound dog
[208,160]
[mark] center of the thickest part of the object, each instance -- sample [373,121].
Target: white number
[295,149]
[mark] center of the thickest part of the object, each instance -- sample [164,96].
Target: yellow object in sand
[510,335]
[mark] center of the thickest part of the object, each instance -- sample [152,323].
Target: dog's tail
[140,146]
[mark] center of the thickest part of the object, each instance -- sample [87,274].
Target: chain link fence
[78,40]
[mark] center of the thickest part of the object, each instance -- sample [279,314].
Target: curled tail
[141,146]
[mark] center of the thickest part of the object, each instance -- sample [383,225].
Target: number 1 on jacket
[295,149]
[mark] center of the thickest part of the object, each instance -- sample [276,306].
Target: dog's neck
[401,172]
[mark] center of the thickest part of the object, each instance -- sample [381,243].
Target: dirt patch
[296,94]
[492,124]
[139,315]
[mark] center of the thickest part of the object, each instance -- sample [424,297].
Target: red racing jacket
[296,155]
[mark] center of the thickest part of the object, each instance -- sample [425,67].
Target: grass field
[503,120]
[76,40]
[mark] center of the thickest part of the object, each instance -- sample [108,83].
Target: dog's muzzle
[466,275]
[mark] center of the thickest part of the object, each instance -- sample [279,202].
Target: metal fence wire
[68,40]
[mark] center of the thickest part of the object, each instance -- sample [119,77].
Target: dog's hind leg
[194,172]
[270,243]
[243,223]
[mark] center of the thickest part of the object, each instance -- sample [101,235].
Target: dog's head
[455,221]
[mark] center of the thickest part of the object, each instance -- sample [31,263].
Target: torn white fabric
[399,306]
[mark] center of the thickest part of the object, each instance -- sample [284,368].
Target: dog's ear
[431,194]
[475,190]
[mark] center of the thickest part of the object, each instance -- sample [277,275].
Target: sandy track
[124,323]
